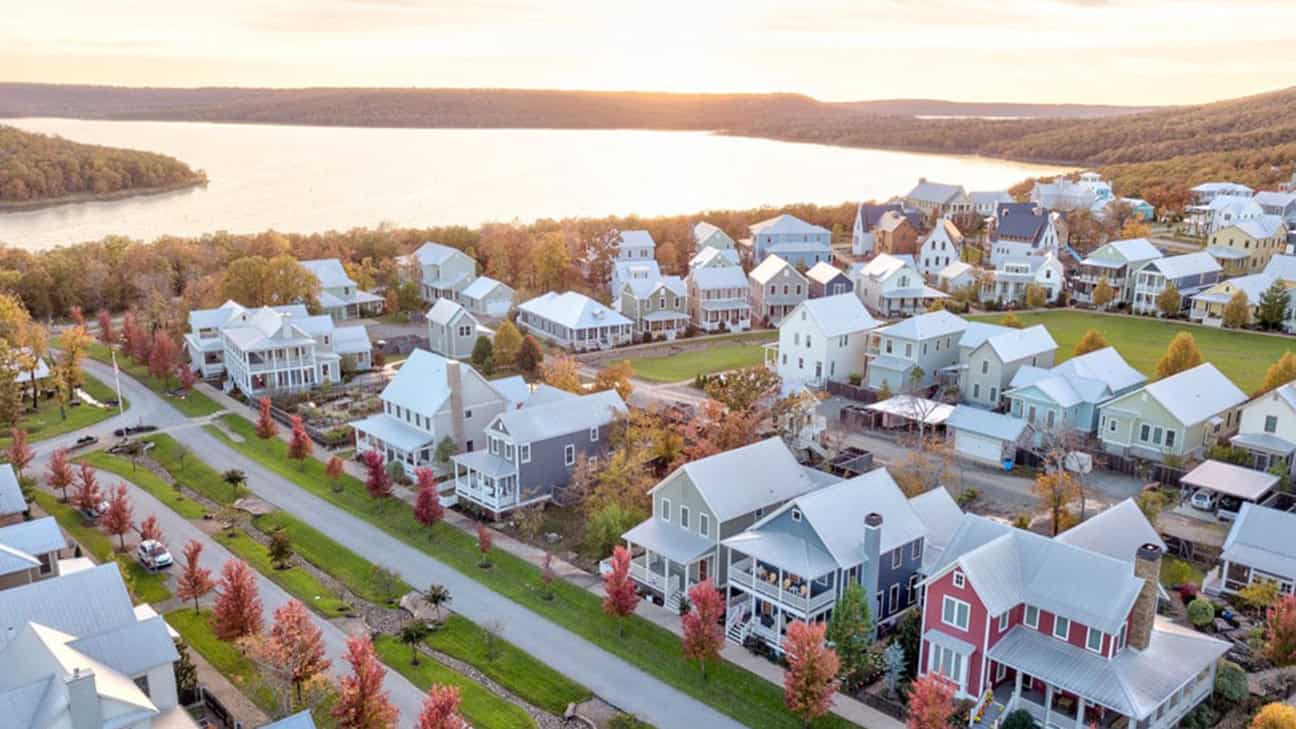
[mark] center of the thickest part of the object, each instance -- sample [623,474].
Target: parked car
[85,440]
[153,555]
[1204,499]
[96,512]
[134,429]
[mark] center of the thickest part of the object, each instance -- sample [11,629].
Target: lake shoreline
[27,206]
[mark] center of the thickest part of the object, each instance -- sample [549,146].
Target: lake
[310,179]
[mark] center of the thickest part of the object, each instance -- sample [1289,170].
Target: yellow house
[1208,306]
[1246,247]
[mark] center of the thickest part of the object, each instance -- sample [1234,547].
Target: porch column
[1048,704]
[1080,711]
[1017,687]
[666,577]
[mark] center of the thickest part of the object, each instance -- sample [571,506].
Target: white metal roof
[1016,344]
[573,310]
[1189,264]
[824,272]
[421,383]
[977,332]
[786,224]
[444,312]
[984,422]
[481,287]
[35,537]
[350,340]
[719,277]
[1196,394]
[1117,532]
[329,271]
[11,497]
[1247,484]
[837,514]
[398,433]
[838,315]
[1262,538]
[939,513]
[769,268]
[539,422]
[954,270]
[742,480]
[636,239]
[926,326]
[1282,266]
[434,254]
[678,544]
[300,720]
[914,408]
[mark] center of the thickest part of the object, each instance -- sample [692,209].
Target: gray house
[1179,416]
[705,501]
[452,331]
[532,450]
[989,367]
[1259,548]
[828,280]
[776,289]
[794,563]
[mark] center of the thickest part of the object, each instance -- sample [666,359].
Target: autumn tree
[73,344]
[377,481]
[1275,716]
[162,358]
[300,445]
[931,702]
[293,651]
[1011,321]
[507,342]
[195,580]
[427,505]
[811,677]
[1055,490]
[547,576]
[106,335]
[529,355]
[718,429]
[237,612]
[703,635]
[362,703]
[256,281]
[1036,296]
[1092,341]
[186,376]
[1103,293]
[441,709]
[59,474]
[1280,631]
[850,630]
[1181,355]
[616,376]
[1237,312]
[484,543]
[1280,372]
[119,518]
[620,598]
[280,549]
[742,390]
[87,495]
[265,427]
[19,454]
[149,530]
[333,469]
[562,372]
[1169,301]
[1272,311]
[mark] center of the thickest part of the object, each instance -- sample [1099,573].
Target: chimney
[454,381]
[869,572]
[83,700]
[1147,565]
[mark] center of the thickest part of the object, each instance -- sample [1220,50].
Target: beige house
[1246,247]
[1176,417]
[776,289]
[658,307]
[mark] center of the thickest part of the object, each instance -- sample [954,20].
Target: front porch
[1059,710]
[719,315]
[488,481]
[667,560]
[663,324]
[396,441]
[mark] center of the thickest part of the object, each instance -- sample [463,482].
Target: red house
[1064,628]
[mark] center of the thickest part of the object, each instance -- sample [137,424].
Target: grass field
[738,693]
[1242,356]
[344,565]
[295,581]
[47,423]
[147,480]
[195,404]
[188,470]
[727,353]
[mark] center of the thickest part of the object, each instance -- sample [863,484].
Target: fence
[857,393]
[893,708]
[1167,476]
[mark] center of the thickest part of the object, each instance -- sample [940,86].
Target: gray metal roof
[300,720]
[935,192]
[1193,395]
[984,422]
[837,514]
[573,310]
[533,423]
[11,497]
[34,537]
[793,553]
[1189,264]
[1264,441]
[716,277]
[675,542]
[948,641]
[131,649]
[1117,532]
[926,326]
[839,314]
[1016,344]
[939,513]
[1262,537]
[742,480]
[1225,478]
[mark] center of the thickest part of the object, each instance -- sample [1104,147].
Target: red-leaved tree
[361,702]
[1280,631]
[620,598]
[266,427]
[137,339]
[703,635]
[931,702]
[120,516]
[87,496]
[378,481]
[237,612]
[186,375]
[484,542]
[295,647]
[77,316]
[106,335]
[441,709]
[162,356]
[300,445]
[811,677]
[195,580]
[59,474]
[150,530]
[333,469]
[427,505]
[19,454]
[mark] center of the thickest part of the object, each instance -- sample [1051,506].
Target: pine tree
[1181,355]
[362,703]
[483,355]
[237,612]
[703,635]
[850,630]
[1272,311]
[811,677]
[1092,341]
[620,598]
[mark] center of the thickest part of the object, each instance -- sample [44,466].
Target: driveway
[616,681]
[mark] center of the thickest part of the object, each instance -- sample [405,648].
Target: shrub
[1177,572]
[1230,684]
[1019,719]
[967,496]
[1202,717]
[855,378]
[1187,591]
[1201,613]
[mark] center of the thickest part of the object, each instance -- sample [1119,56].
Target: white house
[1010,281]
[1268,428]
[990,366]
[706,235]
[956,276]
[441,271]
[1206,192]
[1221,212]
[624,272]
[1024,233]
[792,239]
[709,256]
[929,342]
[574,321]
[452,330]
[986,202]
[636,245]
[1282,204]
[942,246]
[776,288]
[822,339]
[487,297]
[339,296]
[1066,195]
[719,294]
[890,286]
[984,437]
[937,199]
[29,551]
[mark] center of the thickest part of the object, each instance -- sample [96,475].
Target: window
[1111,424]
[665,510]
[796,515]
[1156,435]
[704,525]
[908,350]
[913,589]
[1271,423]
[1120,639]
[976,390]
[524,453]
[142,683]
[1003,621]
[1094,640]
[569,455]
[594,434]
[946,662]
[915,549]
[796,338]
[1061,627]
[684,516]
[955,613]
[1170,436]
[959,579]
[467,414]
[897,558]
[1032,617]
[494,446]
[888,346]
[807,341]
[894,599]
[985,366]
[994,395]
[1145,432]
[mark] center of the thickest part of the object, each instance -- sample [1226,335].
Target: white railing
[486,496]
[743,576]
[642,573]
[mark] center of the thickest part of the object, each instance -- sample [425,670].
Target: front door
[704,569]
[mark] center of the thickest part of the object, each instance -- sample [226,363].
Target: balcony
[798,595]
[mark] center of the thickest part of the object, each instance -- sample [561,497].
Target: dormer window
[796,515]
[1094,640]
[1061,627]
[959,580]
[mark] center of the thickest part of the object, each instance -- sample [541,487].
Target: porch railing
[743,575]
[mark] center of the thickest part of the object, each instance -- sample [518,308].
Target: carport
[1237,483]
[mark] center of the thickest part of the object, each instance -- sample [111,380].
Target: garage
[985,437]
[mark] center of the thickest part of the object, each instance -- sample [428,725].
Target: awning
[778,549]
[914,408]
[669,540]
[894,364]
[1264,442]
[1226,478]
[945,640]
[394,432]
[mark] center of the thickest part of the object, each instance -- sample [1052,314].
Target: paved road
[610,677]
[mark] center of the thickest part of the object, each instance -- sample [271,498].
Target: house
[339,295]
[1142,209]
[487,297]
[776,288]
[719,295]
[1206,192]
[991,365]
[938,200]
[272,350]
[78,654]
[1178,416]
[1010,282]
[29,552]
[895,234]
[1220,212]
[985,202]
[1246,247]
[826,279]
[821,340]
[635,245]
[574,321]
[452,330]
[890,286]
[1230,485]
[432,399]
[700,504]
[867,217]
[941,246]
[12,502]
[1259,548]
[706,235]
[1189,273]
[441,271]
[532,450]
[1280,204]
[1268,428]
[709,256]
[1117,263]
[1015,620]
[791,239]
[795,562]
[926,342]
[1024,234]
[985,437]
[1065,399]
[1065,195]
[626,271]
[956,276]
[1208,306]
[658,307]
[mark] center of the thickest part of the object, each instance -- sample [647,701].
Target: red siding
[1077,632]
[977,620]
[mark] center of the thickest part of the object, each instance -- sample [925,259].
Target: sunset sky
[1092,51]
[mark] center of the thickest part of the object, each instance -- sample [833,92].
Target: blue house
[792,239]
[1066,398]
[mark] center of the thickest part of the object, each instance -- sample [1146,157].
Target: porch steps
[673,602]
[738,631]
[994,711]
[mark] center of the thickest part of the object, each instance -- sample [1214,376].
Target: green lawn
[46,422]
[147,480]
[477,704]
[1242,356]
[746,697]
[189,470]
[195,404]
[315,547]
[723,355]
[511,667]
[148,587]
[296,581]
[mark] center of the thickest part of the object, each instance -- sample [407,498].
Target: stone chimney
[872,559]
[83,700]
[454,381]
[1147,565]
